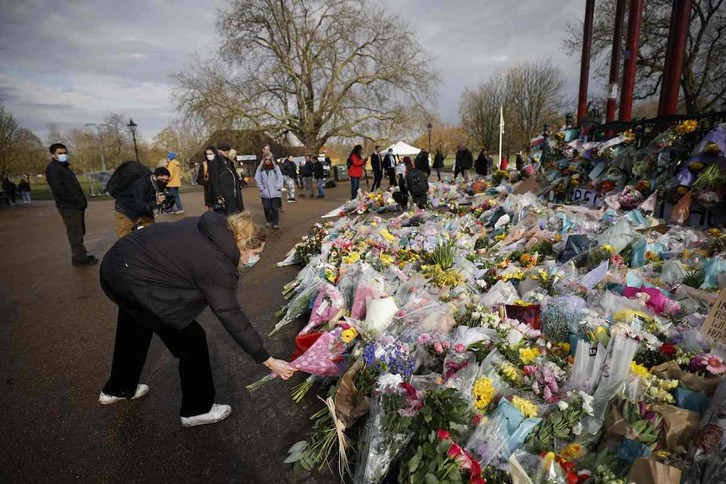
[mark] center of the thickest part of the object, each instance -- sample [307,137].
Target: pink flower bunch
[544,382]
[414,400]
[463,459]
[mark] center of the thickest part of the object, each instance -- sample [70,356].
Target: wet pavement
[55,354]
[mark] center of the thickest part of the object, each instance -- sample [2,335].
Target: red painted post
[615,60]
[671,85]
[585,62]
[635,17]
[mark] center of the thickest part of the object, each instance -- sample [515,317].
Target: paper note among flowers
[715,324]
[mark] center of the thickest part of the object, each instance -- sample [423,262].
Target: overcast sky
[72,62]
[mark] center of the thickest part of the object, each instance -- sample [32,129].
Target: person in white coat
[270,182]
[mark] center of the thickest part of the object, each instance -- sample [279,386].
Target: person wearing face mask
[210,156]
[70,201]
[225,187]
[135,205]
[270,182]
[165,298]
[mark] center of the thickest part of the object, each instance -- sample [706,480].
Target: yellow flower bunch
[652,256]
[387,235]
[518,275]
[639,370]
[628,316]
[687,126]
[504,264]
[528,355]
[348,335]
[573,451]
[352,258]
[714,232]
[528,260]
[483,393]
[330,275]
[499,237]
[527,408]
[511,372]
[558,237]
[386,259]
[608,248]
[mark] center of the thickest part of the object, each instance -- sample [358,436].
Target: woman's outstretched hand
[281,367]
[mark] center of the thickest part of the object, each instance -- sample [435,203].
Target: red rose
[443,434]
[668,349]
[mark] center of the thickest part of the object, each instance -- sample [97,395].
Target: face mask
[254,259]
[63,158]
[161,184]
[210,157]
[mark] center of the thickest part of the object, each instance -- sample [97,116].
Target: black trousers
[401,199]
[75,221]
[391,172]
[271,207]
[136,325]
[377,178]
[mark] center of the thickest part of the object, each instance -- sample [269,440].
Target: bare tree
[317,69]
[479,110]
[530,94]
[703,68]
[9,130]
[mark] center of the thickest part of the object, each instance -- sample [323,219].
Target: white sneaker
[105,399]
[216,414]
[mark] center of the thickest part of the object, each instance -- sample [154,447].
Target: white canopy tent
[402,149]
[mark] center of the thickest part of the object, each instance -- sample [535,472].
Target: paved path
[55,354]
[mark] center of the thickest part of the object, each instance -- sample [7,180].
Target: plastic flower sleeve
[329,306]
[371,284]
[385,436]
[298,305]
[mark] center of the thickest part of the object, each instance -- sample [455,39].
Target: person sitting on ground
[135,205]
[417,184]
[136,274]
[24,189]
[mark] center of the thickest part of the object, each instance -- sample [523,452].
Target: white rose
[562,405]
[577,429]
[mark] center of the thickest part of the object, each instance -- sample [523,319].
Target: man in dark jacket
[439,162]
[136,204]
[377,167]
[464,162]
[10,189]
[319,175]
[70,201]
[289,171]
[482,163]
[422,162]
[307,175]
[225,188]
[389,164]
[159,288]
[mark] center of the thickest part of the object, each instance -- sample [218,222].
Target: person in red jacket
[356,162]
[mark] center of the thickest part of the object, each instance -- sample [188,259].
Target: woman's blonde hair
[247,234]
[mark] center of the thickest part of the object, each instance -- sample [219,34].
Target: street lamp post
[100,141]
[132,126]
[429,126]
[545,134]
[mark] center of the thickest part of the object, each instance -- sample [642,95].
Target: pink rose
[460,348]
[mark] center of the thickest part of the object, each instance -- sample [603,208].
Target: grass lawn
[41,190]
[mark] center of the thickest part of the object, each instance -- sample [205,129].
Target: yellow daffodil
[511,372]
[387,235]
[483,393]
[609,248]
[527,408]
[528,355]
[639,370]
[351,258]
[386,259]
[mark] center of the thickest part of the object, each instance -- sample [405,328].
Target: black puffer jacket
[177,269]
[66,189]
[224,182]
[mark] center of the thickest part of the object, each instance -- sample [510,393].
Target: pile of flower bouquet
[500,338]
